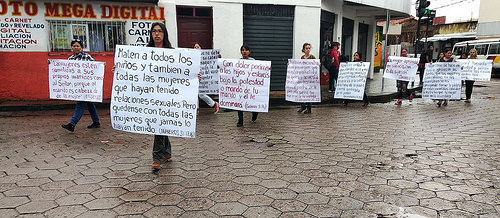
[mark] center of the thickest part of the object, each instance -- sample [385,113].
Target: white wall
[403,6]
[306,29]
[228,28]
[488,11]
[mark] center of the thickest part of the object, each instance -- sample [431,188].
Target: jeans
[207,99]
[334,74]
[161,148]
[469,84]
[402,87]
[80,108]
[307,104]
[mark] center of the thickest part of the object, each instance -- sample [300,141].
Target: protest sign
[442,80]
[155,91]
[244,84]
[209,73]
[401,68]
[352,80]
[477,70]
[302,81]
[76,80]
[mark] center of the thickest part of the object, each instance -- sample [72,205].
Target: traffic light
[422,9]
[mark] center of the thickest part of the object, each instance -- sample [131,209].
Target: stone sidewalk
[413,160]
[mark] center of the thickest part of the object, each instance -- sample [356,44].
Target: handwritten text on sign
[244,84]
[352,80]
[209,73]
[442,80]
[401,68]
[302,80]
[155,91]
[477,70]
[76,80]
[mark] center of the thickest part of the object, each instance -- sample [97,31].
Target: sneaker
[216,107]
[399,102]
[445,103]
[239,124]
[439,103]
[467,101]
[69,127]
[308,111]
[410,97]
[94,125]
[301,109]
[155,166]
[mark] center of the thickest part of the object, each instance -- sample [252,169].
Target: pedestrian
[425,57]
[334,68]
[357,58]
[469,84]
[245,54]
[403,85]
[463,55]
[210,102]
[441,55]
[447,58]
[306,106]
[80,55]
[162,150]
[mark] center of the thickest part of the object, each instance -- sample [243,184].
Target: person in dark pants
[403,85]
[80,55]
[425,57]
[447,58]
[245,54]
[306,106]
[357,58]
[469,84]
[334,69]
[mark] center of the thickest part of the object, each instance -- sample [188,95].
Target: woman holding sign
[470,83]
[357,58]
[79,55]
[403,85]
[213,104]
[447,58]
[162,150]
[307,106]
[245,54]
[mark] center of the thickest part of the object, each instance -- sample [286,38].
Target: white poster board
[302,80]
[244,84]
[155,91]
[352,80]
[442,80]
[76,80]
[209,73]
[477,70]
[401,68]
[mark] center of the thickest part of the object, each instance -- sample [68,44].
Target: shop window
[96,36]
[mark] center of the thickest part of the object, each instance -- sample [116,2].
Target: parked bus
[487,49]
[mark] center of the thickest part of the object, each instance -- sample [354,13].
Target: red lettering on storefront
[125,12]
[51,9]
[152,14]
[31,8]
[66,10]
[4,7]
[89,12]
[106,11]
[78,10]
[15,6]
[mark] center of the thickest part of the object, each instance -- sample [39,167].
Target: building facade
[34,31]
[489,19]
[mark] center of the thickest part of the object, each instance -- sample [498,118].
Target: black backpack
[327,61]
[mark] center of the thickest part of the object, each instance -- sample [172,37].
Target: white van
[487,49]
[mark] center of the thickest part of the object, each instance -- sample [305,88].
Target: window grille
[97,36]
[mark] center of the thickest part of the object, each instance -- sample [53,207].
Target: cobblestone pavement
[414,160]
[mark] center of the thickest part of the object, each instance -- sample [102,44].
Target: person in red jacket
[334,70]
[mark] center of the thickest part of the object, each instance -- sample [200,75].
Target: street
[413,160]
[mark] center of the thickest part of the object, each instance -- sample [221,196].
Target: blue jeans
[80,108]
[308,104]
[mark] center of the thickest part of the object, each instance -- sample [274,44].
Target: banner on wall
[155,91]
[244,84]
[26,25]
[302,81]
[76,80]
[442,80]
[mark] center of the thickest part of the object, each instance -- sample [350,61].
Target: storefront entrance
[194,24]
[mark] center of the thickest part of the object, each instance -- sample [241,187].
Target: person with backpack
[332,64]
